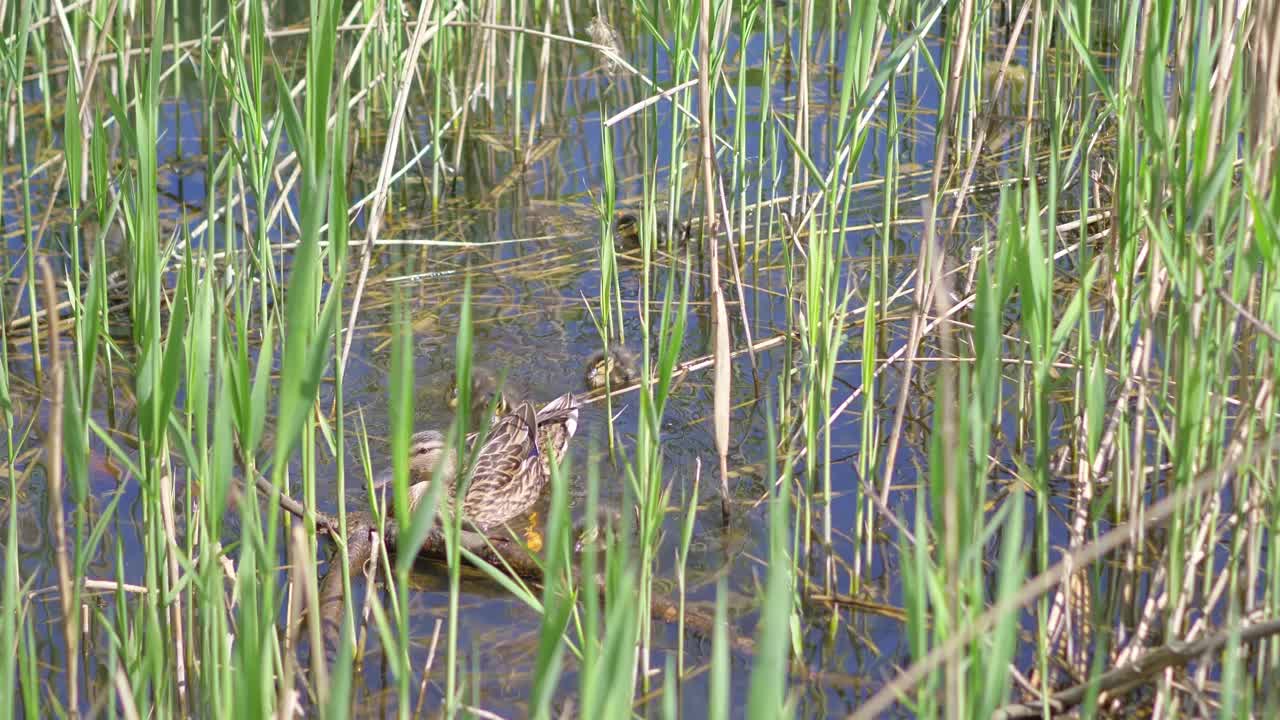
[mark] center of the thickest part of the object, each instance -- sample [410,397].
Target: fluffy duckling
[626,228]
[615,369]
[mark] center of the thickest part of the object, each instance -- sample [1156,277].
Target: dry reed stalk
[420,36]
[53,463]
[1264,62]
[722,400]
[124,693]
[738,285]
[640,105]
[175,581]
[1119,680]
[286,699]
[707,170]
[304,571]
[426,668]
[369,568]
[922,289]
[471,86]
[976,152]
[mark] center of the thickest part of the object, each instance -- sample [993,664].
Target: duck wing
[513,465]
[557,423]
[491,497]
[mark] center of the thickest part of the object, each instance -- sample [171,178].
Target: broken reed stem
[304,582]
[1150,664]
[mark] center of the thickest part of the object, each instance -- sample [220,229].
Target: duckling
[626,228]
[616,368]
[485,392]
[594,533]
[532,535]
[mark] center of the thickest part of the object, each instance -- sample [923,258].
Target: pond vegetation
[908,359]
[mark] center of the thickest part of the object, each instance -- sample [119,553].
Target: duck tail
[563,409]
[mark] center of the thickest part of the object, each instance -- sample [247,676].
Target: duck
[486,391]
[615,368]
[512,466]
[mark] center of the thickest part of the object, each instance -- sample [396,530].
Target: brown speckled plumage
[511,468]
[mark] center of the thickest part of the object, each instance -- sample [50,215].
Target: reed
[987,296]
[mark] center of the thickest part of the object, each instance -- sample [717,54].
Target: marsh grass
[987,297]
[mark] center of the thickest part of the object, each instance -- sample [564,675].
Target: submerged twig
[505,554]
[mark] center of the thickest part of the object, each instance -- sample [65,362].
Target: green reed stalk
[877,301]
[157,377]
[462,359]
[438,114]
[718,694]
[979,390]
[558,595]
[682,562]
[824,302]
[334,698]
[768,694]
[610,290]
[737,182]
[587,616]
[15,71]
[13,619]
[400,404]
[29,666]
[608,684]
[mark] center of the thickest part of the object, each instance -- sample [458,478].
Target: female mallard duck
[511,468]
[615,369]
[486,391]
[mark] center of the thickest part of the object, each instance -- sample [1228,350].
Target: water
[533,265]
